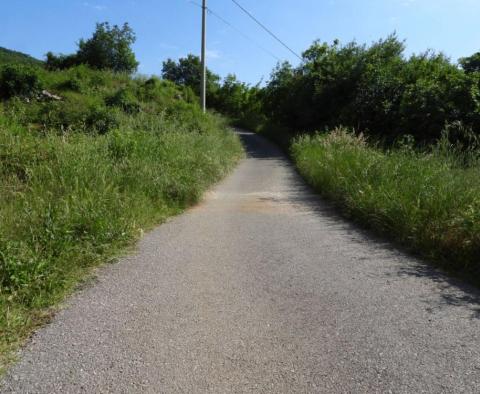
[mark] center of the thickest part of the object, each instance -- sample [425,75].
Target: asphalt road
[260,289]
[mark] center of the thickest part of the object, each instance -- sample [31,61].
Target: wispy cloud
[164,45]
[97,7]
[213,54]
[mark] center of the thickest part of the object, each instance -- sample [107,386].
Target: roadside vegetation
[393,140]
[375,90]
[90,157]
[428,200]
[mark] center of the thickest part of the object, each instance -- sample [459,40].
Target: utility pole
[203,87]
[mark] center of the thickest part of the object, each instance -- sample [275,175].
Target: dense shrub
[74,113]
[60,62]
[19,80]
[124,99]
[82,79]
[101,120]
[373,88]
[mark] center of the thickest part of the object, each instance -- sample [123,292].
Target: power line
[210,11]
[244,35]
[266,29]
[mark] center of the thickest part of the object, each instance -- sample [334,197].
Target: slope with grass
[426,200]
[15,57]
[82,177]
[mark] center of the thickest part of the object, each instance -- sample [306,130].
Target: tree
[375,89]
[60,62]
[232,95]
[109,48]
[471,64]
[187,72]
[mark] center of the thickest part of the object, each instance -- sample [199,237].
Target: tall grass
[69,202]
[429,201]
[73,197]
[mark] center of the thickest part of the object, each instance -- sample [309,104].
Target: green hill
[9,56]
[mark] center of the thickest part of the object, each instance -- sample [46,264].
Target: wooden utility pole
[203,87]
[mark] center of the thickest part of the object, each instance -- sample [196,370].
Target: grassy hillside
[82,175]
[14,57]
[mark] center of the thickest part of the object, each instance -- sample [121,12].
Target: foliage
[471,64]
[61,61]
[109,48]
[241,102]
[81,177]
[412,196]
[91,101]
[187,72]
[18,80]
[375,89]
[124,99]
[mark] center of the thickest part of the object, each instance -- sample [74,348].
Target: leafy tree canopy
[187,72]
[109,48]
[471,64]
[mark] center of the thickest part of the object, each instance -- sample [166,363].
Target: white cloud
[213,54]
[97,7]
[164,45]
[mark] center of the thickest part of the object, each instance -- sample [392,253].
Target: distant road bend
[259,289]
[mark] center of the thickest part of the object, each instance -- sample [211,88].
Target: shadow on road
[453,291]
[258,147]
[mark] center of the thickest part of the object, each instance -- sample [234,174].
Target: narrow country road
[259,289]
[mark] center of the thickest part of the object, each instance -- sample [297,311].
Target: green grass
[428,201]
[75,194]
[14,57]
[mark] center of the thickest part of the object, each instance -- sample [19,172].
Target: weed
[427,200]
[80,180]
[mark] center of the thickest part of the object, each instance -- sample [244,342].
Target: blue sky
[171,28]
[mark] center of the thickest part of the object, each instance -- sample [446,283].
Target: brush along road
[259,289]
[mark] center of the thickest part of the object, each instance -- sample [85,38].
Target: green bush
[375,89]
[73,84]
[125,100]
[82,79]
[19,80]
[101,120]
[69,114]
[77,114]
